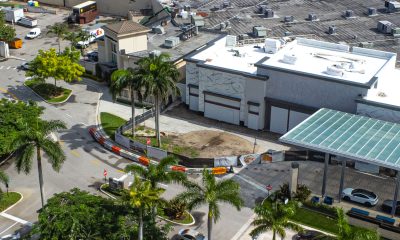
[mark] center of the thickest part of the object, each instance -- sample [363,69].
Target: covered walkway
[349,136]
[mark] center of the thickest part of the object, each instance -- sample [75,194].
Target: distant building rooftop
[126,27]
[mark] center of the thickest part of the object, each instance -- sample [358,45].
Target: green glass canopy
[352,136]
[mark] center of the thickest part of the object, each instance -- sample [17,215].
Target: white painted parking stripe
[1,67]
[252,183]
[68,115]
[16,219]
[8,228]
[8,67]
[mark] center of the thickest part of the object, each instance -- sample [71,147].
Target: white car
[362,196]
[190,234]
[33,33]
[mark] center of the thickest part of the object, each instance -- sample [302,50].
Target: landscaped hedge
[321,208]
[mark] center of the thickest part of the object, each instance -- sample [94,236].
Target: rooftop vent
[158,30]
[372,11]
[334,71]
[288,19]
[349,14]
[287,33]
[332,30]
[312,17]
[171,42]
[155,53]
[259,31]
[396,32]
[226,4]
[224,25]
[243,36]
[186,8]
[269,13]
[385,27]
[230,41]
[366,44]
[289,58]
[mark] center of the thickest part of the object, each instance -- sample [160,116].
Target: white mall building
[276,84]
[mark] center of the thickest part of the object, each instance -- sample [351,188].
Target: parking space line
[75,153]
[15,219]
[252,183]
[95,162]
[68,115]
[9,228]
[8,67]
[1,67]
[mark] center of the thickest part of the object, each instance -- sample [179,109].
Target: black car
[387,206]
[93,56]
[311,235]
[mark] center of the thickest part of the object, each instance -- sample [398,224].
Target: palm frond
[136,169]
[23,157]
[4,178]
[55,153]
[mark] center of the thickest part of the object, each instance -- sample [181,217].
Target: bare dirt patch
[213,143]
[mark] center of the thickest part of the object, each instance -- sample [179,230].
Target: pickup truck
[27,22]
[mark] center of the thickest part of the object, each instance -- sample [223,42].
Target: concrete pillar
[396,192]
[325,174]
[294,178]
[342,179]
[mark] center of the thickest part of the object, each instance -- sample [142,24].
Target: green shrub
[175,209]
[322,208]
[302,193]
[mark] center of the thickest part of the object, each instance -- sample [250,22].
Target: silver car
[362,196]
[190,234]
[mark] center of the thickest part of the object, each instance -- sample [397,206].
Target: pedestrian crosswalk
[8,68]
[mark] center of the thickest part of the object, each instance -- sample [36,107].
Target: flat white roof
[387,91]
[219,55]
[312,57]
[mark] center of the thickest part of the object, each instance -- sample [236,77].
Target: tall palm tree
[126,78]
[156,174]
[211,193]
[274,215]
[60,30]
[159,77]
[3,179]
[36,137]
[142,197]
[347,232]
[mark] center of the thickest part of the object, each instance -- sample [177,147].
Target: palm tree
[126,78]
[35,137]
[211,193]
[159,77]
[156,174]
[3,179]
[274,215]
[347,232]
[142,197]
[60,30]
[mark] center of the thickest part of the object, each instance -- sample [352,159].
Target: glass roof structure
[347,135]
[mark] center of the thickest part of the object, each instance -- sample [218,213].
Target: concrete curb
[106,193]
[180,224]
[70,94]
[22,197]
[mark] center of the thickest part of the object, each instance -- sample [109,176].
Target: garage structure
[349,137]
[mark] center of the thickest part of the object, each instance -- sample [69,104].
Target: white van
[33,33]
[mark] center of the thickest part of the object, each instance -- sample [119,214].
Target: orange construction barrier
[116,149]
[178,168]
[16,43]
[219,170]
[143,160]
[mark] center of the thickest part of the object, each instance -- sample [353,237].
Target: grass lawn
[46,90]
[315,220]
[110,123]
[9,199]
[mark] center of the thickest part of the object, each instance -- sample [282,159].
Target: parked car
[93,56]
[25,66]
[387,206]
[311,235]
[359,195]
[34,33]
[190,234]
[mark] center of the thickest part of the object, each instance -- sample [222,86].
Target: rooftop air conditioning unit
[269,13]
[259,31]
[171,42]
[288,19]
[366,44]
[372,11]
[262,9]
[312,17]
[332,30]
[334,71]
[158,30]
[396,32]
[289,58]
[349,14]
[385,27]
[155,53]
[272,45]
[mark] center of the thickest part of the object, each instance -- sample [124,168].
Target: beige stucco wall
[133,44]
